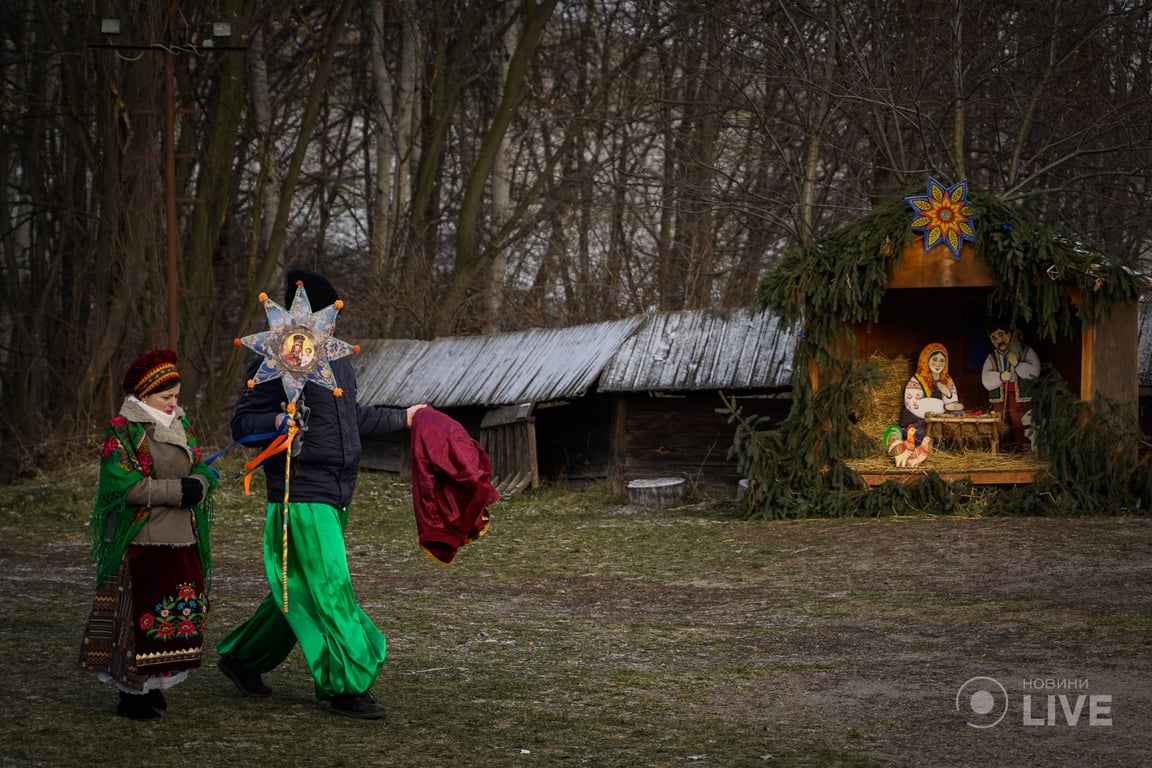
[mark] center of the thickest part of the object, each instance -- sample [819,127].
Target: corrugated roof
[706,349]
[530,366]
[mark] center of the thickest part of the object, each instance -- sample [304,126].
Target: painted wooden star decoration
[944,216]
[298,345]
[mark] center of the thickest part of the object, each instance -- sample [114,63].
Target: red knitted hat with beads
[151,372]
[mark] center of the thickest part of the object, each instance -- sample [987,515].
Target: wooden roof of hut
[686,350]
[703,350]
[529,366]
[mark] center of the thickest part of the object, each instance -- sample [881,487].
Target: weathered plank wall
[684,436]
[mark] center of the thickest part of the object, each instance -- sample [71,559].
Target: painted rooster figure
[920,452]
[905,452]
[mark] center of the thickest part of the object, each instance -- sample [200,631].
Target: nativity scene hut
[939,268]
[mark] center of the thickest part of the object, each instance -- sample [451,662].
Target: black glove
[302,412]
[191,492]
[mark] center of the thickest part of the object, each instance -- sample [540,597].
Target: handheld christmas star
[298,345]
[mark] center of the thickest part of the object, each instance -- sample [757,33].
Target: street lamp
[217,30]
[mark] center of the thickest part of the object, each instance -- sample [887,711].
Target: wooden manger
[979,467]
[968,431]
[999,267]
[1096,359]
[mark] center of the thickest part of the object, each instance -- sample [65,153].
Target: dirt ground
[945,642]
[898,642]
[577,634]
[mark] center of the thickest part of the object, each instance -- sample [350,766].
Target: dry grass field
[584,632]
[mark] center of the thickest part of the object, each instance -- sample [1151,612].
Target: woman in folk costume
[929,390]
[149,532]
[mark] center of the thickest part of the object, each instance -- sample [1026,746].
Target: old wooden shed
[610,401]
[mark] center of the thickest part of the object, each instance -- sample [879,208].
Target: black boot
[248,681]
[155,699]
[135,706]
[358,705]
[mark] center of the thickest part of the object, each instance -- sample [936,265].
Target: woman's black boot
[155,699]
[135,706]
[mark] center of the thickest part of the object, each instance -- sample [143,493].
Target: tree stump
[658,493]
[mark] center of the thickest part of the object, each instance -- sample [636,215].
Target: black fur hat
[320,292]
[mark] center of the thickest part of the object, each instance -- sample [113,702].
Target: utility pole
[170,196]
[217,31]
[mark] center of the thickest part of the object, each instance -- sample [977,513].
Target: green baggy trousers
[343,647]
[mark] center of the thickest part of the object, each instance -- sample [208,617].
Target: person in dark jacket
[342,646]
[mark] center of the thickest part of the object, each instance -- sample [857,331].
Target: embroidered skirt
[148,619]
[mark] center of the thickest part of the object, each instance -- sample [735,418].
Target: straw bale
[881,404]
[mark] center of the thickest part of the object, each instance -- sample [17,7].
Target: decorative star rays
[298,345]
[944,216]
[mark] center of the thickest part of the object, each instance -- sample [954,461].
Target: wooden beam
[1087,347]
[618,444]
[938,269]
[1011,477]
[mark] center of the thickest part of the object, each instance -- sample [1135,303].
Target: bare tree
[468,165]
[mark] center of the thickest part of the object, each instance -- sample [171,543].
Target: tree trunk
[268,267]
[469,258]
[216,195]
[380,202]
[501,190]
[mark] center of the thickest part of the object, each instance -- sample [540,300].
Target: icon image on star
[298,346]
[298,350]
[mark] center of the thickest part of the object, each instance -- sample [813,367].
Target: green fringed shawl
[126,460]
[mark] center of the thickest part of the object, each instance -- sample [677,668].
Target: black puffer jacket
[325,468]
